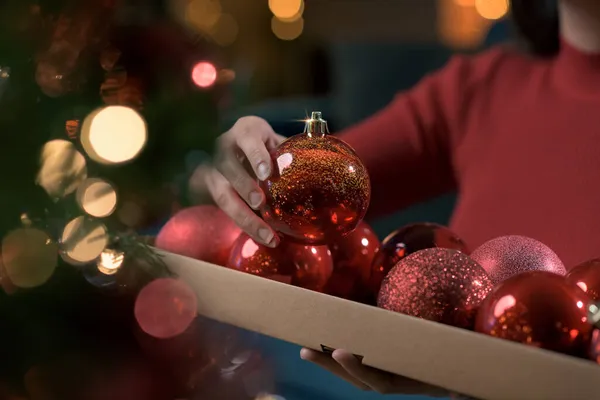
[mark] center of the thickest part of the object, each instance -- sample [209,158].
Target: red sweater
[517,138]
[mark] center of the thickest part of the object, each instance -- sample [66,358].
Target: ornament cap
[316,125]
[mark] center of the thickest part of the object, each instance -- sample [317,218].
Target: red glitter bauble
[165,308]
[352,258]
[442,285]
[306,266]
[540,309]
[319,188]
[587,277]
[408,240]
[507,256]
[202,232]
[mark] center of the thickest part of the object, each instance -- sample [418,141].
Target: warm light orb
[285,8]
[97,197]
[62,168]
[204,74]
[225,32]
[492,9]
[114,134]
[296,16]
[287,30]
[203,14]
[110,261]
[83,240]
[29,257]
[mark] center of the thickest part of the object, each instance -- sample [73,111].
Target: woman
[515,135]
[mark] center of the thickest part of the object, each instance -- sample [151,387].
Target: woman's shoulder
[502,62]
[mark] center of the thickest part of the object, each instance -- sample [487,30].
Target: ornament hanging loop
[316,126]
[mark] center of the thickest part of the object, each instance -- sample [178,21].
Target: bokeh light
[287,30]
[203,14]
[492,9]
[110,261]
[114,135]
[283,9]
[165,308]
[62,168]
[29,257]
[83,240]
[225,32]
[204,74]
[460,26]
[97,197]
[296,16]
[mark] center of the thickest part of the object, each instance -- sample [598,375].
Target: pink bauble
[201,232]
[507,256]
[442,285]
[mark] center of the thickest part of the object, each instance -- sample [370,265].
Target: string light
[492,9]
[285,9]
[287,30]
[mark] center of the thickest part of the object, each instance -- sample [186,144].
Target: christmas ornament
[165,308]
[540,309]
[352,258]
[319,188]
[306,266]
[507,256]
[587,277]
[408,240]
[442,285]
[201,232]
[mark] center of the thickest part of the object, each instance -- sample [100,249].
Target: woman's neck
[580,24]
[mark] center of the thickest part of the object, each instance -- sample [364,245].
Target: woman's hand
[242,157]
[346,366]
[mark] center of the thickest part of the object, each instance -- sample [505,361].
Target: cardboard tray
[455,359]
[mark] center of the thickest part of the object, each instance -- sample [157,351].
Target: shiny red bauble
[352,258]
[441,285]
[511,255]
[318,189]
[408,240]
[309,267]
[540,309]
[201,232]
[587,277]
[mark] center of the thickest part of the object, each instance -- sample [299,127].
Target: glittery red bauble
[352,258]
[202,232]
[441,285]
[540,309]
[306,266]
[587,277]
[406,241]
[507,256]
[319,189]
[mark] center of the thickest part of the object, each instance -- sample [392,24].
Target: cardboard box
[458,360]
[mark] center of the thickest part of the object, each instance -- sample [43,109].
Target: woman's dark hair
[537,23]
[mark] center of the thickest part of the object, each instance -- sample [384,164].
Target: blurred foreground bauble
[202,232]
[587,276]
[540,309]
[507,256]
[309,267]
[319,188]
[408,240]
[441,285]
[352,258]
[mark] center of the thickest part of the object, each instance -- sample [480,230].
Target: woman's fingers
[381,381]
[326,362]
[377,380]
[226,199]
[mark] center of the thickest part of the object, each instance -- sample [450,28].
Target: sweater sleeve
[408,146]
